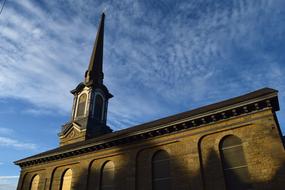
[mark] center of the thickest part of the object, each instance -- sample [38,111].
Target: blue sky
[161,57]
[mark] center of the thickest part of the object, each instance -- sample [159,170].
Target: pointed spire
[94,74]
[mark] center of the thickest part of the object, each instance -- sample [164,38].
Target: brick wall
[194,158]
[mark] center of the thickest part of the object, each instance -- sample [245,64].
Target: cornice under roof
[254,101]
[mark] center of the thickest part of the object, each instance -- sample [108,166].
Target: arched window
[234,164]
[66,180]
[35,182]
[107,176]
[161,179]
[81,105]
[98,108]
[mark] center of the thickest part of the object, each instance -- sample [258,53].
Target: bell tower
[90,104]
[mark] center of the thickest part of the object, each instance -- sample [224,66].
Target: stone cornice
[269,101]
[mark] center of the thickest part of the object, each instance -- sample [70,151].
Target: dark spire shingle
[94,74]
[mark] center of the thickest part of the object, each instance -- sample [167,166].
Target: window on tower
[81,105]
[98,112]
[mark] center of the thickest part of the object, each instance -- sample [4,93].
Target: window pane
[161,171]
[160,155]
[234,164]
[230,141]
[108,175]
[98,108]
[81,105]
[66,180]
[35,182]
[162,184]
[237,175]
[232,159]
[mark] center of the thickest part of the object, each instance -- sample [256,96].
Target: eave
[249,103]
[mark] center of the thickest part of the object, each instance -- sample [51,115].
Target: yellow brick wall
[194,157]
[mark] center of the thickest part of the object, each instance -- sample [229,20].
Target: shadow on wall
[210,169]
[214,177]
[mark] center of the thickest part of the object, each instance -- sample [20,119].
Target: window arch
[108,176]
[234,163]
[35,183]
[81,105]
[66,180]
[161,179]
[99,103]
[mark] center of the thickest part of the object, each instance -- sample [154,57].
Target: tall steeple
[89,112]
[94,74]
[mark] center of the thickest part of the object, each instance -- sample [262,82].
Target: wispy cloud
[160,56]
[8,177]
[30,61]
[8,182]
[39,111]
[8,139]
[13,143]
[5,131]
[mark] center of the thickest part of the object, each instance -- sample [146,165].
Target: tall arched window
[81,105]
[107,176]
[35,182]
[234,164]
[161,179]
[98,107]
[66,180]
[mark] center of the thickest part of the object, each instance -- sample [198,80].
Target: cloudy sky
[161,57]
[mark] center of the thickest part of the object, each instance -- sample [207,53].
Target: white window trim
[85,107]
[74,108]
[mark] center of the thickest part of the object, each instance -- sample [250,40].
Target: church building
[235,144]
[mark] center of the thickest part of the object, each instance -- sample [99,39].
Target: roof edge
[252,98]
